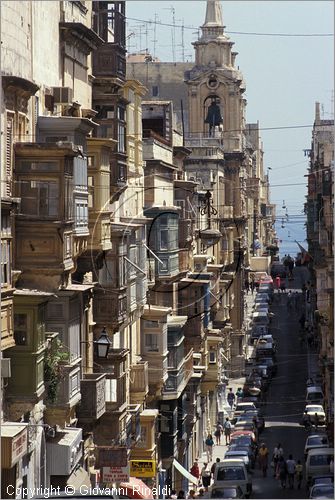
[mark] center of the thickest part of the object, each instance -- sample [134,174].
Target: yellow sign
[142,468]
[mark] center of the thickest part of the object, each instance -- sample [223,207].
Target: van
[314,394]
[232,472]
[318,462]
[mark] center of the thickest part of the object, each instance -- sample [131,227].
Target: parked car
[257,331]
[316,441]
[232,472]
[240,434]
[318,462]
[255,414]
[241,454]
[231,492]
[314,394]
[314,414]
[260,318]
[238,445]
[322,491]
[325,479]
[269,362]
[241,408]
[246,425]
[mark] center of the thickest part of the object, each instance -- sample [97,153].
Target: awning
[79,478]
[184,472]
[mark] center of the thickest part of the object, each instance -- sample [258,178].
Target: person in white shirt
[290,464]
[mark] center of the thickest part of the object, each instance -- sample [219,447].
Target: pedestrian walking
[290,464]
[239,394]
[195,470]
[209,447]
[247,286]
[299,473]
[214,467]
[218,432]
[277,453]
[252,284]
[231,398]
[227,430]
[277,281]
[205,476]
[263,456]
[281,472]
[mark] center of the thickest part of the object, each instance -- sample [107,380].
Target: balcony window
[121,138]
[5,263]
[151,342]
[164,239]
[111,390]
[21,329]
[81,215]
[212,357]
[40,198]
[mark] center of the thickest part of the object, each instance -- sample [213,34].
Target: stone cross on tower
[213,26]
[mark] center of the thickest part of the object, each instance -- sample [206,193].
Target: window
[155,91]
[81,215]
[164,239]
[121,138]
[21,329]
[5,263]
[39,198]
[151,342]
[212,356]
[111,390]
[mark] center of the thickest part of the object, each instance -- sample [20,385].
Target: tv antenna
[173,31]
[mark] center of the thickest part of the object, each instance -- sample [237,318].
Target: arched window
[213,118]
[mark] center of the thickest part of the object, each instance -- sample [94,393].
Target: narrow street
[286,395]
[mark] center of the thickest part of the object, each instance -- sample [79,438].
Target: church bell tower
[215,86]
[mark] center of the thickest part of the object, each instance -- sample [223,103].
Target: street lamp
[103,344]
[209,237]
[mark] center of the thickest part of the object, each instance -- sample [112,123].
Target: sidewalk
[234,383]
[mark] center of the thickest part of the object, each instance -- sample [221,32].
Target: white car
[241,408]
[314,414]
[316,441]
[322,491]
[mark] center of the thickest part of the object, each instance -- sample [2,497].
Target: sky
[284,76]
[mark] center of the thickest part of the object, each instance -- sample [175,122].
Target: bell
[214,117]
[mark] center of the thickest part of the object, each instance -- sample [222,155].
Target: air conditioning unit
[5,368]
[62,95]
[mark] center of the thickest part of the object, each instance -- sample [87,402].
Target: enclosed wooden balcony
[93,402]
[139,386]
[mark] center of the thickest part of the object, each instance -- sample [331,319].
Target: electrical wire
[253,33]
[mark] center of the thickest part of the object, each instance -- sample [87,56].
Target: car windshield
[317,440]
[323,492]
[230,474]
[314,409]
[245,407]
[241,441]
[316,460]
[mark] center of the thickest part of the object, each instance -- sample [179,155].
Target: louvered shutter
[9,155]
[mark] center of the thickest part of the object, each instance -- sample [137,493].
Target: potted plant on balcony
[56,357]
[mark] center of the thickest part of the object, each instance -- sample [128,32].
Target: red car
[237,434]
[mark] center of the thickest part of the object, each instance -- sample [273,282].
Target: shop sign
[143,468]
[115,475]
